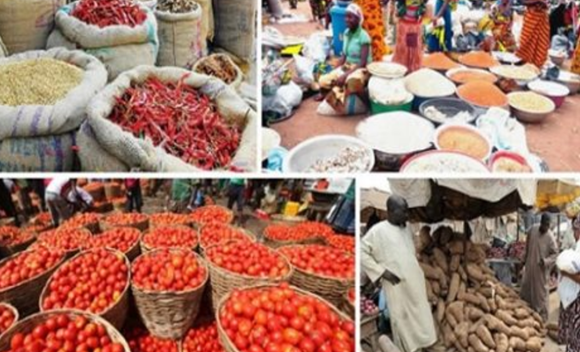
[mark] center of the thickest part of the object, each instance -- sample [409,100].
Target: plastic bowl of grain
[530,107]
[555,91]
[509,162]
[463,138]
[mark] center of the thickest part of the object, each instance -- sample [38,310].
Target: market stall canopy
[434,200]
[373,198]
[557,193]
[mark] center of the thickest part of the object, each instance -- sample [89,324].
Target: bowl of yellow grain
[530,107]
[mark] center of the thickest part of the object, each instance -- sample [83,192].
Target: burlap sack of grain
[3,50]
[104,146]
[38,154]
[120,48]
[235,28]
[207,19]
[26,24]
[181,43]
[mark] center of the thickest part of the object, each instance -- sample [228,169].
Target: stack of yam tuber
[473,310]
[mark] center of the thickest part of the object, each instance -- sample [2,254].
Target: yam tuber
[456,309]
[448,336]
[534,344]
[456,247]
[454,263]
[440,259]
[424,239]
[462,333]
[462,273]
[474,313]
[486,291]
[476,343]
[521,313]
[484,305]
[485,336]
[501,342]
[494,324]
[446,235]
[430,294]
[517,344]
[453,287]
[475,272]
[519,332]
[440,312]
[506,317]
[469,298]
[436,287]
[429,271]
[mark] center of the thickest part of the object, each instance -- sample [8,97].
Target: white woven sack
[181,42]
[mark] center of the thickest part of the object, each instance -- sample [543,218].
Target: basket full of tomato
[203,336]
[8,317]
[89,221]
[14,240]
[278,235]
[212,213]
[248,321]
[24,274]
[67,240]
[168,285]
[325,271]
[124,239]
[63,330]
[348,302]
[215,233]
[239,264]
[136,220]
[169,237]
[169,219]
[95,281]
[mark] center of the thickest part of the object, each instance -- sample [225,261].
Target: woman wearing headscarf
[350,76]
[502,17]
[569,292]
[535,37]
[409,46]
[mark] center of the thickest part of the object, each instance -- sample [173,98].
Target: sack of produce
[207,20]
[3,50]
[26,24]
[179,28]
[217,128]
[47,153]
[120,33]
[220,66]
[236,27]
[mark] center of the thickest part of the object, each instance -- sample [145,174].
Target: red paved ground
[557,140]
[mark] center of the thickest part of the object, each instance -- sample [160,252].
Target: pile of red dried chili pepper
[103,13]
[182,120]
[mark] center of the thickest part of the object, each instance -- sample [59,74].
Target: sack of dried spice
[181,42]
[26,24]
[236,27]
[207,20]
[3,50]
[165,120]
[119,45]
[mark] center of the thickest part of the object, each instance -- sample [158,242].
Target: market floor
[556,140]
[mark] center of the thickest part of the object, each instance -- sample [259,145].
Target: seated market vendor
[350,76]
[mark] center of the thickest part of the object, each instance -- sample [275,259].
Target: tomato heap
[67,239]
[346,243]
[12,236]
[315,229]
[81,220]
[140,340]
[125,219]
[119,238]
[212,213]
[42,219]
[93,281]
[168,270]
[160,219]
[202,338]
[6,318]
[248,258]
[217,233]
[351,295]
[170,236]
[286,233]
[278,318]
[65,333]
[26,265]
[321,260]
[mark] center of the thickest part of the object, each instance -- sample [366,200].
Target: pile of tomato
[170,236]
[65,333]
[278,318]
[12,236]
[161,219]
[315,229]
[81,220]
[119,238]
[248,258]
[217,233]
[168,270]
[140,340]
[7,318]
[42,219]
[124,219]
[346,243]
[212,213]
[63,239]
[26,265]
[321,260]
[93,281]
[288,233]
[202,338]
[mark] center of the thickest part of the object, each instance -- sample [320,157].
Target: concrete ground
[554,140]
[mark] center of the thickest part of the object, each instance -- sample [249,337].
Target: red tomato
[124,219]
[162,219]
[170,236]
[212,213]
[119,238]
[213,233]
[321,260]
[37,261]
[140,340]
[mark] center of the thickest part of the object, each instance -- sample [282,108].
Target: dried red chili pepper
[103,13]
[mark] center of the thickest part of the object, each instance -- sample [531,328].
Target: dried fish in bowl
[219,66]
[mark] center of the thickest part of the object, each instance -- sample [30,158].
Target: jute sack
[236,27]
[207,20]
[104,146]
[3,50]
[38,154]
[120,48]
[180,40]
[26,24]
[66,114]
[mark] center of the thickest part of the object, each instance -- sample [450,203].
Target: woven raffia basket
[71,253]
[145,248]
[229,220]
[97,192]
[347,307]
[170,314]
[27,325]
[24,296]
[14,312]
[133,252]
[248,233]
[272,243]
[330,288]
[113,190]
[224,281]
[116,313]
[141,225]
[6,251]
[120,205]
[229,345]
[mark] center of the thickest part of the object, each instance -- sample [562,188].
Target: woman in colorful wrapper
[502,17]
[350,77]
[409,46]
[440,38]
[535,37]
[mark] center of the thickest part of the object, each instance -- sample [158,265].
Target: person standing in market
[502,14]
[6,202]
[569,292]
[535,37]
[388,255]
[539,258]
[134,195]
[440,38]
[409,46]
[236,196]
[63,197]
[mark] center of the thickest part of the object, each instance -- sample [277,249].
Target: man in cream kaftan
[388,254]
